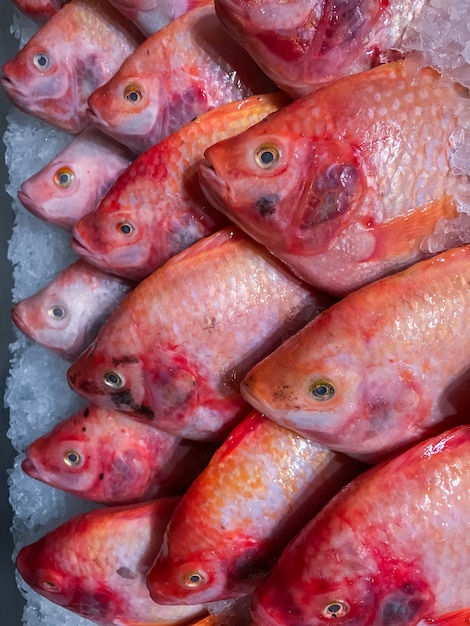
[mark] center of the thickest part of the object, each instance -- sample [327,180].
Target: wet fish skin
[362,559]
[156,208]
[174,352]
[187,68]
[305,44]
[371,375]
[106,456]
[76,179]
[72,54]
[260,488]
[66,314]
[335,201]
[39,10]
[152,15]
[94,564]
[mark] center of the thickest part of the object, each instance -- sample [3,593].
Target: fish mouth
[29,468]
[11,87]
[213,187]
[95,118]
[83,251]
[20,322]
[28,202]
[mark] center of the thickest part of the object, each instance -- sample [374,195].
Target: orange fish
[303,44]
[346,185]
[259,489]
[156,208]
[39,10]
[187,68]
[391,548]
[106,456]
[385,367]
[174,352]
[72,54]
[94,564]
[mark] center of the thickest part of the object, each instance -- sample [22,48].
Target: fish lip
[28,202]
[20,322]
[213,186]
[12,89]
[80,247]
[29,468]
[96,119]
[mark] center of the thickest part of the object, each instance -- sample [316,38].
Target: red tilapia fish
[187,68]
[94,565]
[106,456]
[156,208]
[345,185]
[304,44]
[390,548]
[74,182]
[152,15]
[39,10]
[259,489]
[75,52]
[65,315]
[385,367]
[174,352]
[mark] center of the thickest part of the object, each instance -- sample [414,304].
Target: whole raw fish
[94,564]
[345,185]
[187,68]
[39,10]
[259,489]
[385,367]
[66,314]
[72,54]
[106,456]
[74,182]
[152,15]
[174,352]
[390,548]
[156,208]
[303,44]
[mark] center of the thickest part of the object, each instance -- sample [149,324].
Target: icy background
[37,393]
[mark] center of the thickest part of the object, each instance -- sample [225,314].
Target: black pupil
[126,229]
[133,96]
[42,60]
[73,458]
[194,578]
[113,378]
[334,608]
[266,157]
[64,179]
[57,311]
[322,390]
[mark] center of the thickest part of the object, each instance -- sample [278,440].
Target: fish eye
[133,94]
[112,379]
[41,60]
[49,585]
[335,609]
[194,579]
[64,177]
[321,390]
[267,156]
[72,458]
[125,228]
[57,312]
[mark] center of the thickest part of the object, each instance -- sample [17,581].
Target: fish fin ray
[454,618]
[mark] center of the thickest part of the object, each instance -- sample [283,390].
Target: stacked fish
[270,207]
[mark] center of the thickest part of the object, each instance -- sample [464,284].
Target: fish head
[116,238]
[44,79]
[127,107]
[291,192]
[294,43]
[195,576]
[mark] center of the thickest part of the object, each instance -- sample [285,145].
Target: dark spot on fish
[402,606]
[88,387]
[86,412]
[283,393]
[84,429]
[267,204]
[101,476]
[125,572]
[125,359]
[123,397]
[146,411]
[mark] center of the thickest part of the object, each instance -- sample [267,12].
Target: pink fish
[187,68]
[108,457]
[156,208]
[152,15]
[391,548]
[39,10]
[65,315]
[174,352]
[346,185]
[259,489]
[72,54]
[303,44]
[94,565]
[74,182]
[385,367]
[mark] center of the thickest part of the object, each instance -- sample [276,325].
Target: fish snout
[29,468]
[213,186]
